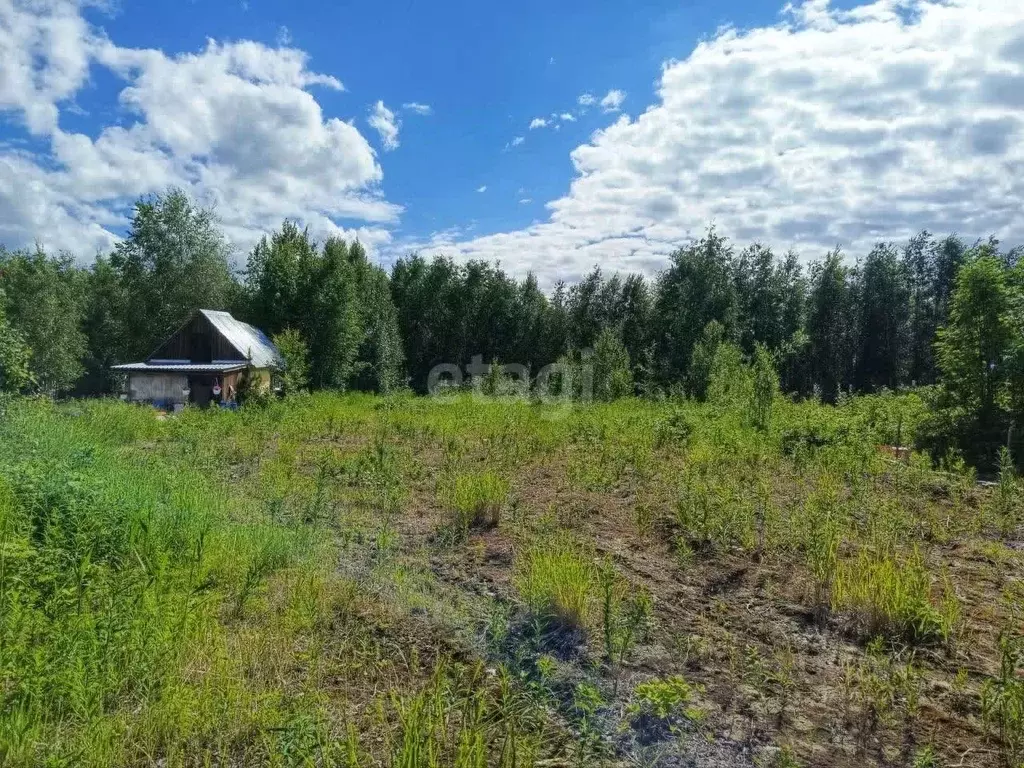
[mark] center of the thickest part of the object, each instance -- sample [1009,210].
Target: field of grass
[459,581]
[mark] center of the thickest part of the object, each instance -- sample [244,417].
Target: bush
[295,376]
[665,699]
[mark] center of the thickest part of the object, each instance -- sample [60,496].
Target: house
[203,362]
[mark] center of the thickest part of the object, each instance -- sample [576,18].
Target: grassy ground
[436,582]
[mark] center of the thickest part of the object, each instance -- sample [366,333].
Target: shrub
[766,387]
[558,582]
[613,377]
[665,699]
[295,376]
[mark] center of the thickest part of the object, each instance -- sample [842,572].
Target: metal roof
[224,366]
[251,342]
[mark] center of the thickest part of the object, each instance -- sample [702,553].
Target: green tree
[974,349]
[274,279]
[884,321]
[173,262]
[15,356]
[44,305]
[293,349]
[831,324]
[730,382]
[703,359]
[766,387]
[696,289]
[613,377]
[103,326]
[920,267]
[379,355]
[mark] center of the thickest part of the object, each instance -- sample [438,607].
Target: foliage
[15,356]
[766,387]
[703,361]
[830,325]
[730,383]
[173,262]
[1002,698]
[979,356]
[894,597]
[43,306]
[295,353]
[613,377]
[696,289]
[666,698]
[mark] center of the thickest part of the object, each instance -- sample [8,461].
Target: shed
[203,362]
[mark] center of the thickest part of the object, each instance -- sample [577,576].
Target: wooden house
[203,363]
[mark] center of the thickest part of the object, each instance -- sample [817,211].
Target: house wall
[181,345]
[157,387]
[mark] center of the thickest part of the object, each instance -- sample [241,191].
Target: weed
[558,582]
[475,500]
[666,699]
[1002,697]
[925,757]
[891,596]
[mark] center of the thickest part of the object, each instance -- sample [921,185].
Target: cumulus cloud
[44,59]
[612,102]
[234,125]
[586,100]
[383,121]
[516,141]
[829,127]
[526,201]
[567,117]
[418,108]
[482,188]
[538,122]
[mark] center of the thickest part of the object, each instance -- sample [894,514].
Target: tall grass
[558,581]
[475,500]
[893,596]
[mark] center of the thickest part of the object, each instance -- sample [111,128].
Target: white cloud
[538,122]
[526,201]
[44,59]
[418,108]
[383,121]
[830,127]
[612,102]
[482,188]
[567,117]
[234,125]
[586,100]
[516,141]
[284,36]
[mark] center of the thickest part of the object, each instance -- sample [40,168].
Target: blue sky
[821,124]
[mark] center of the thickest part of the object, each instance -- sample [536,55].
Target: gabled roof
[251,343]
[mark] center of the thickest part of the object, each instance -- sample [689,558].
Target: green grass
[887,595]
[268,586]
[475,500]
[558,581]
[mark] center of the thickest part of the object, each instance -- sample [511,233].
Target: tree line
[935,309]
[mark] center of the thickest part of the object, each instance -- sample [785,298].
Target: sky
[550,136]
